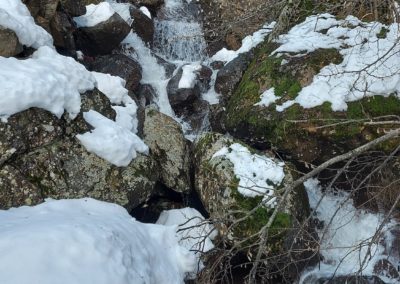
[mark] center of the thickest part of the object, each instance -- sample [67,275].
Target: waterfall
[178,32]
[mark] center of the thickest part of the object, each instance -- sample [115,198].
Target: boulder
[42,11]
[102,38]
[62,30]
[119,65]
[9,43]
[40,157]
[181,98]
[170,149]
[142,25]
[217,186]
[229,76]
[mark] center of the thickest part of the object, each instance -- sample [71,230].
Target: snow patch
[267,98]
[88,241]
[47,80]
[110,141]
[95,14]
[145,11]
[346,241]
[16,16]
[259,175]
[195,233]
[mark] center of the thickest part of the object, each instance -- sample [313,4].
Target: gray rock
[122,66]
[9,43]
[65,169]
[231,74]
[62,30]
[16,190]
[169,147]
[103,37]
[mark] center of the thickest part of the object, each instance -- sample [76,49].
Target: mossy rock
[217,185]
[311,135]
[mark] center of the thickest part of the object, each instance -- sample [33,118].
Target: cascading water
[178,32]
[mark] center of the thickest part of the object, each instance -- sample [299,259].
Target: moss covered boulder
[240,214]
[313,134]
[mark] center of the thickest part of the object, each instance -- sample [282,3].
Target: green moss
[382,33]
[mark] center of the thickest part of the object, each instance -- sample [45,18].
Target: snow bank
[95,14]
[188,79]
[346,241]
[111,141]
[47,80]
[248,43]
[195,234]
[267,98]
[370,64]
[258,175]
[87,241]
[15,16]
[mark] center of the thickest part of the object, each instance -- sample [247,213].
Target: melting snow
[88,241]
[259,175]
[188,79]
[267,98]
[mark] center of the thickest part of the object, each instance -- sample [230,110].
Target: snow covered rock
[9,43]
[100,35]
[183,89]
[119,65]
[88,241]
[169,147]
[229,177]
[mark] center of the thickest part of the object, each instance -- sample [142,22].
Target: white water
[178,34]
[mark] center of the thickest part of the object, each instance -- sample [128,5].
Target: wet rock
[62,30]
[16,190]
[230,75]
[180,98]
[146,95]
[119,65]
[168,66]
[142,25]
[169,147]
[9,43]
[152,4]
[204,77]
[74,8]
[102,38]
[216,65]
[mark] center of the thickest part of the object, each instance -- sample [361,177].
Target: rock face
[230,75]
[170,149]
[142,25]
[119,65]
[9,43]
[102,38]
[217,185]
